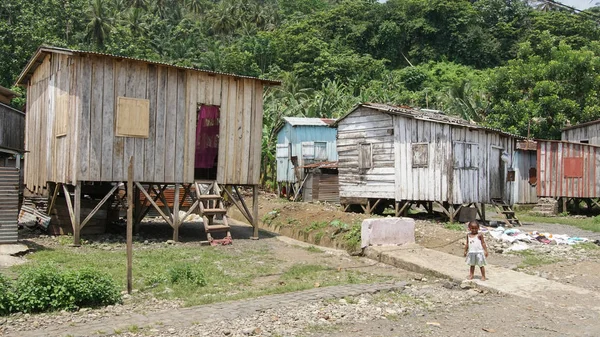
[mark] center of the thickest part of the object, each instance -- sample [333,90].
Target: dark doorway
[207,142]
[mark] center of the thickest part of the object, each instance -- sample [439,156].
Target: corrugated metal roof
[305,121]
[425,114]
[42,50]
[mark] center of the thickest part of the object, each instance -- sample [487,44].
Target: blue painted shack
[302,141]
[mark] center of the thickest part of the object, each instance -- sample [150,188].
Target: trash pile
[515,240]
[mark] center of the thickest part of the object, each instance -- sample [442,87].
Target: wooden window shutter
[365,156]
[133,117]
[61,115]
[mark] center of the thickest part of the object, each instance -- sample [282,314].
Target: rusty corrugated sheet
[9,204]
[568,169]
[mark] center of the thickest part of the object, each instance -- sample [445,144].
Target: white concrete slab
[387,231]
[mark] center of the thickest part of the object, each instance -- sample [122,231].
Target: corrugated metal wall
[9,204]
[568,170]
[299,137]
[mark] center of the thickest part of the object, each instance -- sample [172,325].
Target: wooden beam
[443,208]
[396,208]
[130,192]
[69,206]
[237,204]
[405,207]
[375,204]
[165,203]
[112,190]
[255,211]
[53,200]
[77,215]
[176,222]
[243,203]
[147,208]
[167,219]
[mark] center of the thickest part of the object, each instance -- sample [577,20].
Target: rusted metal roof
[527,145]
[426,115]
[9,204]
[43,50]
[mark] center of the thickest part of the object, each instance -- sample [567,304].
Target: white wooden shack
[89,113]
[585,133]
[415,156]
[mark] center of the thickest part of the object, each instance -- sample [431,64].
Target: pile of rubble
[513,239]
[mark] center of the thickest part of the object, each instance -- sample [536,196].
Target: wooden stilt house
[90,113]
[405,156]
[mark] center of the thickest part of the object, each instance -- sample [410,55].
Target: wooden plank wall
[524,192]
[90,151]
[12,128]
[393,175]
[366,126]
[552,182]
[590,133]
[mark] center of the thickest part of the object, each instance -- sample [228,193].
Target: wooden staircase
[506,212]
[214,214]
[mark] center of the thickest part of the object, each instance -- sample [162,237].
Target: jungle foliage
[512,64]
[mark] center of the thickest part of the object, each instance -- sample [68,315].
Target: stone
[387,231]
[465,285]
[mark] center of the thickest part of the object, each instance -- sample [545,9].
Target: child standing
[475,250]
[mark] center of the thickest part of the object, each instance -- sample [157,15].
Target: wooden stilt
[451,212]
[483,214]
[53,200]
[244,210]
[130,194]
[167,218]
[244,203]
[77,215]
[564,205]
[444,207]
[404,209]
[147,208]
[396,208]
[69,206]
[176,222]
[430,207]
[108,195]
[255,211]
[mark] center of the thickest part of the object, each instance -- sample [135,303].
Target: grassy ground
[230,273]
[588,223]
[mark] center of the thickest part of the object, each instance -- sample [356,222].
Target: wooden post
[255,211]
[176,214]
[564,204]
[130,193]
[451,212]
[396,208]
[483,213]
[77,216]
[53,199]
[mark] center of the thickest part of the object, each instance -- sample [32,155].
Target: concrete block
[387,231]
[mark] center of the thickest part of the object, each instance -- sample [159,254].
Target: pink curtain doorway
[207,142]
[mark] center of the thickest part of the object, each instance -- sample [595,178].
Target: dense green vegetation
[510,64]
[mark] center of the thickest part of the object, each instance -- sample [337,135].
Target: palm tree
[464,101]
[99,25]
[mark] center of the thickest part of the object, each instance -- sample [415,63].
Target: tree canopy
[511,64]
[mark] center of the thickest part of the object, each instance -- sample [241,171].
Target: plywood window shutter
[61,115]
[133,117]
[308,150]
[282,151]
[365,156]
[321,151]
[420,155]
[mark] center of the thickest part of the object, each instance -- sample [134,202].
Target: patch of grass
[590,246]
[454,226]
[133,328]
[590,223]
[228,273]
[319,236]
[314,249]
[534,259]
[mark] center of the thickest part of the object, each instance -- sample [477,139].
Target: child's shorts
[476,259]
